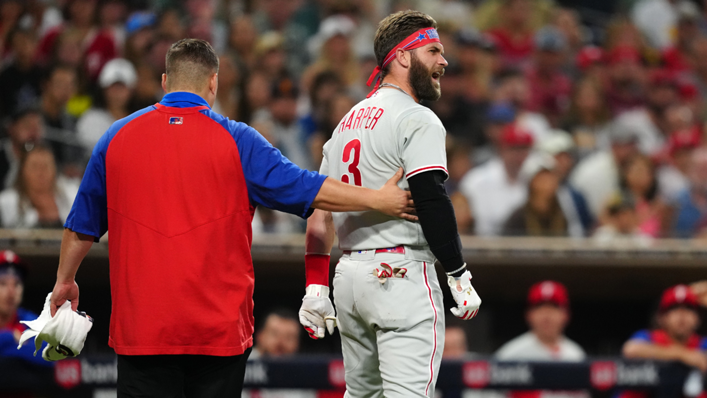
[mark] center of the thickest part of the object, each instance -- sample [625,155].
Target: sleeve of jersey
[89,213]
[273,181]
[423,143]
[643,336]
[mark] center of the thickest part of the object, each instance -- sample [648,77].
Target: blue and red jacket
[176,185]
[10,338]
[661,338]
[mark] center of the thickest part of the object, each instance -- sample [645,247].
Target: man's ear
[403,57]
[164,82]
[213,83]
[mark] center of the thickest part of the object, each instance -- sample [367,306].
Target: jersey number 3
[355,147]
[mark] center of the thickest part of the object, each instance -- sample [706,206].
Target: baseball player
[390,312]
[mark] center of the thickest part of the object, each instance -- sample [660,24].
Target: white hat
[334,25]
[118,70]
[534,164]
[557,141]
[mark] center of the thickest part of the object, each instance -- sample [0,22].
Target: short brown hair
[190,61]
[395,28]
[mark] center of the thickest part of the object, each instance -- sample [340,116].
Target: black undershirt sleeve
[436,214]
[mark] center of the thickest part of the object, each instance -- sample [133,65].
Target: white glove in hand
[65,333]
[317,312]
[468,301]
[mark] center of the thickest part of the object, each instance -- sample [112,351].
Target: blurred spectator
[620,224]
[111,16]
[560,146]
[639,182]
[674,337]
[496,188]
[242,40]
[467,88]
[20,81]
[10,13]
[40,198]
[281,124]
[25,130]
[513,88]
[547,316]
[228,94]
[139,30]
[569,23]
[588,118]
[591,64]
[690,207]
[148,89]
[455,345]
[117,81]
[549,87]
[278,336]
[332,52]
[13,272]
[597,176]
[676,56]
[626,74]
[203,25]
[58,88]
[169,24]
[257,96]
[324,88]
[672,175]
[541,215]
[489,13]
[271,55]
[657,20]
[98,46]
[335,109]
[459,162]
[498,116]
[514,33]
[649,120]
[698,59]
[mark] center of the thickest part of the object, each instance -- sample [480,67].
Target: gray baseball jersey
[380,134]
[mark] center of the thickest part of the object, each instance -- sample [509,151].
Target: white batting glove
[317,312]
[468,301]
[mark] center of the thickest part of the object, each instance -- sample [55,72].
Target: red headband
[420,38]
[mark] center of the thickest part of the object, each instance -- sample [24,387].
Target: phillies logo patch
[603,375]
[337,374]
[67,373]
[476,374]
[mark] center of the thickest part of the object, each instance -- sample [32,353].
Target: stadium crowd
[556,126]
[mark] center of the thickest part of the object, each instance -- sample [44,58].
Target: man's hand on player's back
[394,201]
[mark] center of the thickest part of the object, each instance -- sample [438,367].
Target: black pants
[181,376]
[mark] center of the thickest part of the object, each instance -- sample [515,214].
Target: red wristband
[316,269]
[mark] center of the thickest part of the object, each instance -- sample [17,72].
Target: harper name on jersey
[380,134]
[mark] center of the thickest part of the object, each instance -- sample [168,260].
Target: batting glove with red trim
[468,301]
[317,312]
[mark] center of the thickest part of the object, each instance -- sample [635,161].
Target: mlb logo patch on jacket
[176,120]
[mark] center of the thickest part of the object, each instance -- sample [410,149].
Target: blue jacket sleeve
[273,181]
[642,335]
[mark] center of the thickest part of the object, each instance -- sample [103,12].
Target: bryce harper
[389,302]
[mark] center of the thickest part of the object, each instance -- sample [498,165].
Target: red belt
[395,250]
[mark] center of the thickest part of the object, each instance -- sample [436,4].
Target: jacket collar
[183,99]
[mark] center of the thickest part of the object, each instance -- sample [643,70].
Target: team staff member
[13,272]
[389,302]
[176,186]
[675,338]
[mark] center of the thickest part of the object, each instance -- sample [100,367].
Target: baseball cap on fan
[118,70]
[516,137]
[548,292]
[678,296]
[335,25]
[10,263]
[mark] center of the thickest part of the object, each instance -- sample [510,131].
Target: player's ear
[213,83]
[164,82]
[403,57]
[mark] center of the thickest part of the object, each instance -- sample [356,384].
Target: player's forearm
[320,233]
[337,196]
[74,247]
[640,350]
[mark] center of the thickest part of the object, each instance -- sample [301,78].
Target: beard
[420,79]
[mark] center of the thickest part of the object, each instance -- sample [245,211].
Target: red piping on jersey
[434,328]
[421,169]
